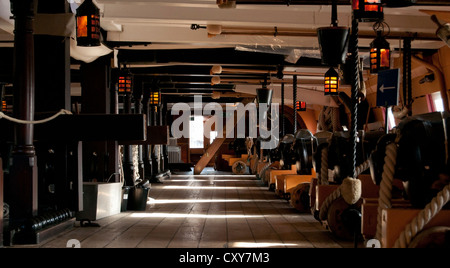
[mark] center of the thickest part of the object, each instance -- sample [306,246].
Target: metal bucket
[333,42]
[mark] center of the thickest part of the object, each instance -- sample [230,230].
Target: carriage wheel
[239,168]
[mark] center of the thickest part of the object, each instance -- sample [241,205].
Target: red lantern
[331,85]
[300,106]
[380,54]
[125,84]
[367,10]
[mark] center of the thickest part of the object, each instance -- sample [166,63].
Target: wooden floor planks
[205,212]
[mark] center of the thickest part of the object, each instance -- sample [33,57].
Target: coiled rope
[423,218]
[25,122]
[385,196]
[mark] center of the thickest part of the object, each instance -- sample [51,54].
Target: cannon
[304,146]
[287,154]
[339,152]
[422,156]
[414,159]
[343,218]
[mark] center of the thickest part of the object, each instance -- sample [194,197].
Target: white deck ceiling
[164,25]
[168,22]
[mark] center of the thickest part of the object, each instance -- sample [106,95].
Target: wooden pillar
[128,164]
[96,99]
[23,172]
[52,66]
[138,97]
[154,154]
[165,148]
[52,57]
[147,149]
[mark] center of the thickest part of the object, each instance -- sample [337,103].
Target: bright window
[212,136]
[196,138]
[391,119]
[437,102]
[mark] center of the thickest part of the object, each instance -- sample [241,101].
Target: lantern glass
[125,84]
[368,10]
[331,85]
[300,106]
[155,98]
[380,54]
[88,24]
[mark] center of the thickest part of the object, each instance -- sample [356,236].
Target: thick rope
[363,167]
[25,122]
[335,120]
[325,123]
[294,92]
[324,167]
[385,196]
[323,213]
[263,171]
[354,59]
[423,218]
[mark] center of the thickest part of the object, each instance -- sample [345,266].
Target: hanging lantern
[88,24]
[331,85]
[155,98]
[125,84]
[367,10]
[380,54]
[300,106]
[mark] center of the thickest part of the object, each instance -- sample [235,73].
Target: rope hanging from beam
[25,122]
[295,101]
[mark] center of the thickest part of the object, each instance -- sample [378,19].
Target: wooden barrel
[300,197]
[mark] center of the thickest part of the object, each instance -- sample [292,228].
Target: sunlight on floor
[205,180]
[259,245]
[193,201]
[200,216]
[212,187]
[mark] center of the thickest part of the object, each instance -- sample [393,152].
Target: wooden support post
[165,150]
[96,99]
[148,169]
[23,173]
[128,165]
[208,155]
[138,110]
[52,61]
[52,65]
[217,143]
[154,151]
